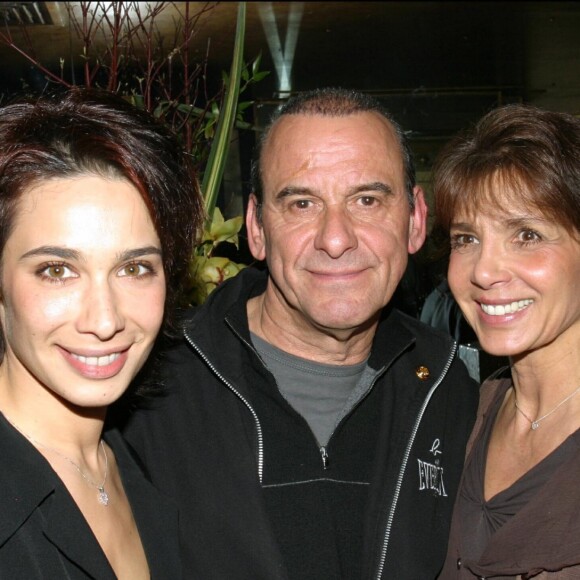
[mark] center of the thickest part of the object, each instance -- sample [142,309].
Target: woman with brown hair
[508,195]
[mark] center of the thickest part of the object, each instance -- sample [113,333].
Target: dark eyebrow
[57,251]
[70,254]
[373,186]
[292,190]
[526,220]
[139,252]
[509,222]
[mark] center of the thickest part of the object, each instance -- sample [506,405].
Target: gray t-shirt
[322,393]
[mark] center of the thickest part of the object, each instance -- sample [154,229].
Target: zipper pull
[324,456]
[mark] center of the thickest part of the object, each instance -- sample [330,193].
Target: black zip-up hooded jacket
[258,502]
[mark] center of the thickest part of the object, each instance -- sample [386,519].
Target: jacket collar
[66,528]
[32,484]
[217,329]
[155,514]
[226,310]
[24,489]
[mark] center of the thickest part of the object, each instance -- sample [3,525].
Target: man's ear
[256,239]
[418,221]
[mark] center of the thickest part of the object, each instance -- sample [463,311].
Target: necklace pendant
[535,425]
[103,497]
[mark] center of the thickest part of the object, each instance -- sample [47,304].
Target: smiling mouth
[97,361]
[502,309]
[338,273]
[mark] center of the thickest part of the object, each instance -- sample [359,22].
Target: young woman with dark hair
[99,210]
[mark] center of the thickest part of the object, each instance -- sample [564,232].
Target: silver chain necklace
[102,495]
[535,424]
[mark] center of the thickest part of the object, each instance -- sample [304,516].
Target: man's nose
[336,231]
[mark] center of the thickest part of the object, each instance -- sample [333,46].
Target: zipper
[406,455]
[231,387]
[324,450]
[324,455]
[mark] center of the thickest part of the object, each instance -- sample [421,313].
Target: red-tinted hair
[92,132]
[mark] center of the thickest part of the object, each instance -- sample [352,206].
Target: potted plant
[121,50]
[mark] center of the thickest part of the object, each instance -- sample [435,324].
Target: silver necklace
[535,424]
[102,495]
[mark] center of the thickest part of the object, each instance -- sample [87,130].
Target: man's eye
[367,200]
[302,204]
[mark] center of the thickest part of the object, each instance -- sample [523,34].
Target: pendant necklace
[102,495]
[535,424]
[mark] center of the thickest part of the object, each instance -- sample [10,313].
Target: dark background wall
[437,65]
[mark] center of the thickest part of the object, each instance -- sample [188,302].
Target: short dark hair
[333,102]
[532,151]
[95,132]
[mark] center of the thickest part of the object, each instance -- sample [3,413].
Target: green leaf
[243,106]
[217,219]
[256,65]
[244,125]
[214,170]
[194,110]
[208,130]
[260,75]
[228,231]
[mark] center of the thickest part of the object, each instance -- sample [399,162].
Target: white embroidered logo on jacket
[431,474]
